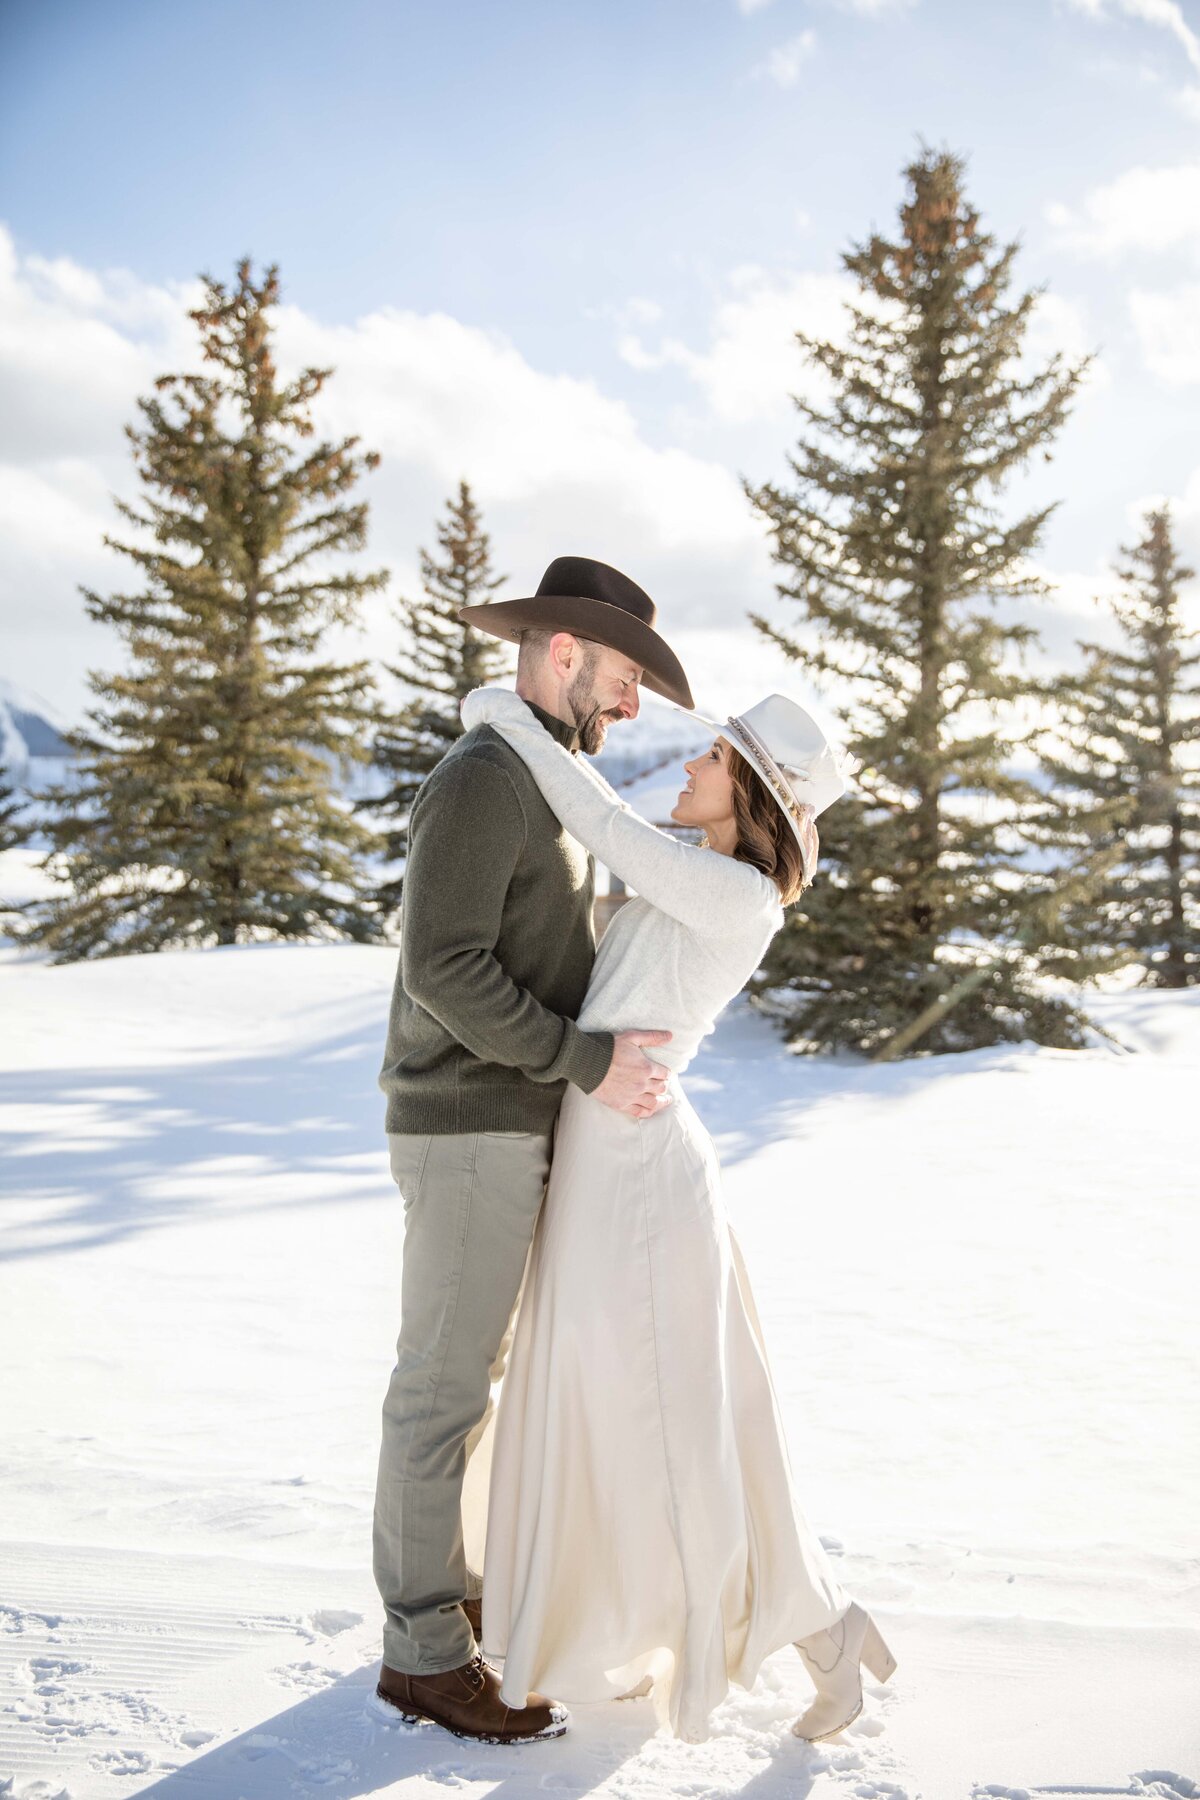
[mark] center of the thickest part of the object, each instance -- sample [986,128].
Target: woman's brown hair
[764,837]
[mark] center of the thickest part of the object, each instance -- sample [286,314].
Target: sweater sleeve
[450,924]
[707,892]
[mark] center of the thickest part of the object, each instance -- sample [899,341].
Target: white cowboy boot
[832,1658]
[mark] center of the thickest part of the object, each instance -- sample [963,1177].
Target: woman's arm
[702,889]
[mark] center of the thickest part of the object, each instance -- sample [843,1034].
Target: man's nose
[630,702]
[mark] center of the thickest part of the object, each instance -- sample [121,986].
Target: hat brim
[800,817]
[737,732]
[662,671]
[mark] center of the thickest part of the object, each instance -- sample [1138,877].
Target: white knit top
[674,957]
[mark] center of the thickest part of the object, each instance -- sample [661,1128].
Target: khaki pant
[470,1205]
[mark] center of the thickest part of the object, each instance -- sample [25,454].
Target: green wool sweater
[496,947]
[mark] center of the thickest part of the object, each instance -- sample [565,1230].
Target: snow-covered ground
[978,1277]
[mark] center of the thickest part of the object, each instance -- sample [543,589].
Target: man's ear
[564,653]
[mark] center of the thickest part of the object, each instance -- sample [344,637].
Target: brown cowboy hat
[596,602]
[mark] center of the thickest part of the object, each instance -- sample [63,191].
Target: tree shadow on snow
[139,1160]
[751,1091]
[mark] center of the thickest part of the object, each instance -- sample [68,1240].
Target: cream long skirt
[631,1499]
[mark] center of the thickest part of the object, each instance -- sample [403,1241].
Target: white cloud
[752,364]
[1076,610]
[75,346]
[1185,510]
[1079,607]
[448,398]
[1143,209]
[639,311]
[1087,599]
[1164,14]
[55,513]
[556,465]
[1168,329]
[783,64]
[731,673]
[631,350]
[1061,325]
[753,6]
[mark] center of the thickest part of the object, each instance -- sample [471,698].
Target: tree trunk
[1175,970]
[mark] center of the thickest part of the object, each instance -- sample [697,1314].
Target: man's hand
[634,1084]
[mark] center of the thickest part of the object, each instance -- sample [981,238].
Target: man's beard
[591,720]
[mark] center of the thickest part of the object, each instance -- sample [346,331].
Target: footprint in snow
[330,1621]
[309,1677]
[15,1620]
[122,1762]
[44,1674]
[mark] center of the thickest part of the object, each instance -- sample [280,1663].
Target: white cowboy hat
[795,755]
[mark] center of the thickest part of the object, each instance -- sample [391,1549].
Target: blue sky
[623,205]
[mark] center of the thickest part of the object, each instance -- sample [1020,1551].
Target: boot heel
[875,1654]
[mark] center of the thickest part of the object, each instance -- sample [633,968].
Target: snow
[977,1276]
[22,877]
[31,747]
[26,699]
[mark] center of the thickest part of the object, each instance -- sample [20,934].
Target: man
[496,947]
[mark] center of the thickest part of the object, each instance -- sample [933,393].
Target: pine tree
[205,812]
[891,549]
[1125,793]
[12,831]
[442,660]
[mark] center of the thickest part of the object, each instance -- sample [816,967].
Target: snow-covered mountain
[32,747]
[643,758]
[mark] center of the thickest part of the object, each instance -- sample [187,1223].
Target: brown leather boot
[474,1612]
[467,1702]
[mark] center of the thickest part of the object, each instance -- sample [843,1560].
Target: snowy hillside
[660,739]
[33,752]
[977,1277]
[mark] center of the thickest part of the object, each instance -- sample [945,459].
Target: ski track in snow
[976,1274]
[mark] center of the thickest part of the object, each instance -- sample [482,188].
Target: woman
[641,1526]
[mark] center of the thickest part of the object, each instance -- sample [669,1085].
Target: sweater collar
[558,728]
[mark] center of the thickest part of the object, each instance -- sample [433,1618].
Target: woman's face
[706,802]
